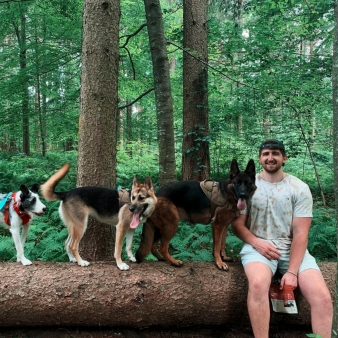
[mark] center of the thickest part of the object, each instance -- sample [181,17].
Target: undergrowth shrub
[192,242]
[323,234]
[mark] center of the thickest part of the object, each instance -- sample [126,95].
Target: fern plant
[192,242]
[323,234]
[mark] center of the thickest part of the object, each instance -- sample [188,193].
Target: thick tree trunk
[149,294]
[98,112]
[195,145]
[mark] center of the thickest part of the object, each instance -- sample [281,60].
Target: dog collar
[16,206]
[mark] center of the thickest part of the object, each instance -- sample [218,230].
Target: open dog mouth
[138,217]
[38,213]
[241,204]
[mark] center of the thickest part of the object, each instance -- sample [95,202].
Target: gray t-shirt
[273,207]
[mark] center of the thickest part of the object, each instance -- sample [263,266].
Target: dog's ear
[35,187]
[135,181]
[251,170]
[234,170]
[149,183]
[24,189]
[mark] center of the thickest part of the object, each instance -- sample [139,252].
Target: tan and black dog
[197,202]
[103,204]
[142,204]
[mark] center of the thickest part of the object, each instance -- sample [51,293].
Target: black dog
[197,202]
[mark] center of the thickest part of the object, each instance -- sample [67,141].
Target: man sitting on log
[275,231]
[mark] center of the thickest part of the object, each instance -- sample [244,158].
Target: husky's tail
[47,189]
[147,241]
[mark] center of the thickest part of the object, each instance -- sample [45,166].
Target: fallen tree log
[149,294]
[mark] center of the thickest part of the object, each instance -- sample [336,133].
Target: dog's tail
[147,241]
[47,189]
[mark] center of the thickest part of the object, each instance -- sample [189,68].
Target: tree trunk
[98,113]
[20,31]
[195,145]
[150,294]
[335,139]
[163,98]
[40,97]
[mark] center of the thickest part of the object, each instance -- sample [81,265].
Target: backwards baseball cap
[272,144]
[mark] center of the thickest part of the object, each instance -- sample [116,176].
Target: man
[275,231]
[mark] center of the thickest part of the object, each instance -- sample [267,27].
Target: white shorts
[249,254]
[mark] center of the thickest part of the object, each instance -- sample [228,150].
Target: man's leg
[259,278]
[316,293]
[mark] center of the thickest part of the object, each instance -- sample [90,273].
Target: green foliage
[273,81]
[17,169]
[191,242]
[136,159]
[323,234]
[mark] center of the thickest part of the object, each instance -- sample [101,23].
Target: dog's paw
[176,262]
[83,263]
[222,266]
[123,266]
[26,261]
[132,259]
[72,260]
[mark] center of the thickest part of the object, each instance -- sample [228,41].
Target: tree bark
[150,294]
[195,145]
[98,115]
[163,97]
[20,30]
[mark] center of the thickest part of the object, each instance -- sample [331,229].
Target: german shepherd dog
[103,204]
[142,205]
[17,211]
[188,201]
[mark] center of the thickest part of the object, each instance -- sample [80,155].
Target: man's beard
[272,171]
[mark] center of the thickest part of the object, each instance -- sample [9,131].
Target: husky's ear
[35,187]
[251,170]
[24,189]
[149,183]
[135,181]
[234,170]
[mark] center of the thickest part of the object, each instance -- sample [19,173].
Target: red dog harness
[16,206]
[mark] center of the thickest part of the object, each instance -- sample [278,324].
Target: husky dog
[101,203]
[17,210]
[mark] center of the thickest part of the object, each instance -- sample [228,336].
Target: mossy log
[149,294]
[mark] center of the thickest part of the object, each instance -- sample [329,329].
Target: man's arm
[300,229]
[263,247]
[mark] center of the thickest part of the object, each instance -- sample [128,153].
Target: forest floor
[203,332]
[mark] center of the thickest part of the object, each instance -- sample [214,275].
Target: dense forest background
[269,76]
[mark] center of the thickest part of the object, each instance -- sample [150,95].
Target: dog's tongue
[241,204]
[135,221]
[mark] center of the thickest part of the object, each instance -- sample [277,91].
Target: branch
[138,98]
[308,146]
[209,66]
[131,35]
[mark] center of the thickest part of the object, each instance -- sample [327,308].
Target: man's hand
[289,279]
[266,249]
